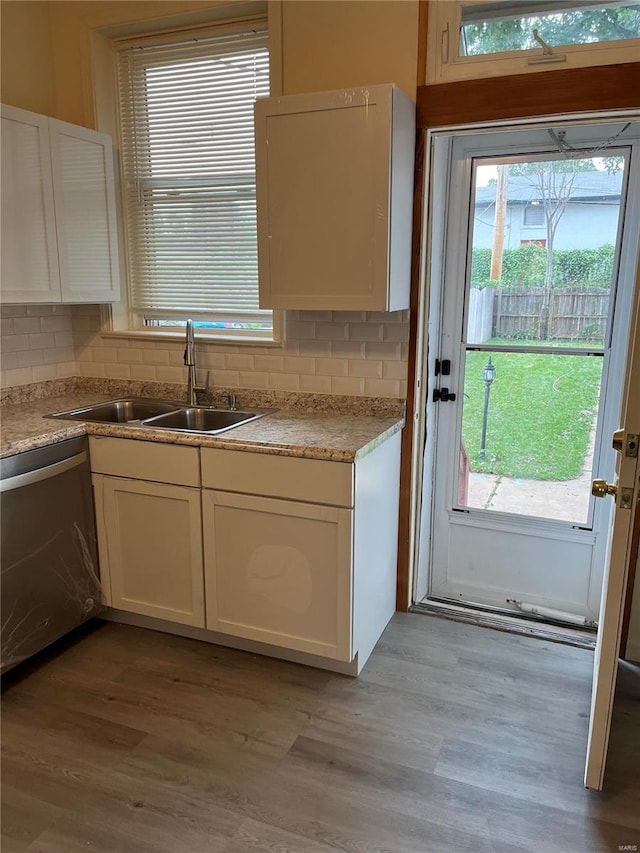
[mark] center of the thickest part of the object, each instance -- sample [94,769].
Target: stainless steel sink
[119,411]
[202,419]
[161,414]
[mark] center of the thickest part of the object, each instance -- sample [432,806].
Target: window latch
[444,44]
[443,395]
[547,52]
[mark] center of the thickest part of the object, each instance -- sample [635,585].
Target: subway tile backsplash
[37,343]
[353,353]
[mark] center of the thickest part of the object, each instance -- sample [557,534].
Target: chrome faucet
[193,388]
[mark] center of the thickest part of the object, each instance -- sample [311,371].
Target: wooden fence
[571,313]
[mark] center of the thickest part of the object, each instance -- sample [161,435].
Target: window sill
[201,338]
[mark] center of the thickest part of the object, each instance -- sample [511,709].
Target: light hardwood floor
[454,738]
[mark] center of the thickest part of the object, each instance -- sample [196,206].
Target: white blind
[188,153]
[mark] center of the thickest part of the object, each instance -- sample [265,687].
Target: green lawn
[541,411]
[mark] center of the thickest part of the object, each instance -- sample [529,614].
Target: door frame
[474,105]
[447,299]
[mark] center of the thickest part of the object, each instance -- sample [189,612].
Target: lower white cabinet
[308,561]
[279,572]
[296,554]
[149,525]
[150,540]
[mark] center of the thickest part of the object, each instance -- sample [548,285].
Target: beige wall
[323,44]
[328,45]
[26,78]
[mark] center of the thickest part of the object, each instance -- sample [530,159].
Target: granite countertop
[316,434]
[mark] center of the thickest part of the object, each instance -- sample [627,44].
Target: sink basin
[118,411]
[161,414]
[202,419]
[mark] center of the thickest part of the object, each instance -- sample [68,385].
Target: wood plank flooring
[454,738]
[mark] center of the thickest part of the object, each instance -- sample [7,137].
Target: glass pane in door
[528,431]
[544,238]
[541,271]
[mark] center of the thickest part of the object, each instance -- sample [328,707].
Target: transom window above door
[487,38]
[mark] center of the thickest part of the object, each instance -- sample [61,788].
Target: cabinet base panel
[112,614]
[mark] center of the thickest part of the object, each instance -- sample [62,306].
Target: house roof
[588,186]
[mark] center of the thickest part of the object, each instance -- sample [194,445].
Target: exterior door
[540,250]
[616,574]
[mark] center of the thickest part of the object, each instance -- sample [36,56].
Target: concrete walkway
[561,500]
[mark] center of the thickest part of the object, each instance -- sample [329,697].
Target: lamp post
[488,375]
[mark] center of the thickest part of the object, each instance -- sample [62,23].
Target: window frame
[121,320]
[529,207]
[445,64]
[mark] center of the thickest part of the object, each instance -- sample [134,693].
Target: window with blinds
[186,117]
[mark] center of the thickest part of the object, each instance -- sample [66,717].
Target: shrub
[526,267]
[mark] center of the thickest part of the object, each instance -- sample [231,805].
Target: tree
[553,183]
[568,27]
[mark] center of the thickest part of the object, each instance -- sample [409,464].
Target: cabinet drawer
[311,480]
[145,460]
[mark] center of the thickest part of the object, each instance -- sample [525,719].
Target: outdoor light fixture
[489,372]
[488,375]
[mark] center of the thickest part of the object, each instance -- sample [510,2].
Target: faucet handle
[232,402]
[205,387]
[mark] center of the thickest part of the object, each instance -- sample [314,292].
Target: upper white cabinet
[334,173]
[29,246]
[58,212]
[84,196]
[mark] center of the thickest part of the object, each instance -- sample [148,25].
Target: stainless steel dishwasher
[49,568]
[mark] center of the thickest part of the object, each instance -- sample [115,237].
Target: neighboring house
[589,221]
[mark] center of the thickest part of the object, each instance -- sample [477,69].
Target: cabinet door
[334,174]
[84,192]
[29,253]
[279,572]
[150,539]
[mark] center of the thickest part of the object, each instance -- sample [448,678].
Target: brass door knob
[600,488]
